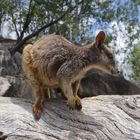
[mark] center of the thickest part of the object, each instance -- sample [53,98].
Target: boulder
[19,88]
[93,84]
[105,117]
[4,85]
[8,65]
[98,83]
[11,71]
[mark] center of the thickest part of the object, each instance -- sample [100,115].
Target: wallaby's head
[106,56]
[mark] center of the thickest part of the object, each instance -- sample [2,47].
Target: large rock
[103,118]
[11,70]
[18,88]
[95,83]
[98,83]
[4,85]
[8,63]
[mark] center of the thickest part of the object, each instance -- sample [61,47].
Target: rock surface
[11,71]
[4,85]
[99,83]
[102,118]
[8,65]
[18,87]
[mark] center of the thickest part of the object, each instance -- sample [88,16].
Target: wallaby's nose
[117,71]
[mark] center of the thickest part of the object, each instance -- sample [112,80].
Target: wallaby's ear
[100,38]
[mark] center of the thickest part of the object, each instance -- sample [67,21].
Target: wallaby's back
[50,57]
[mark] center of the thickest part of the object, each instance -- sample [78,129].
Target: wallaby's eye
[110,55]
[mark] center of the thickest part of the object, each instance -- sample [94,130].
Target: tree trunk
[102,118]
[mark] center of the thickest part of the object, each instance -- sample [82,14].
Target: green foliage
[43,11]
[108,39]
[137,1]
[3,6]
[135,60]
[26,17]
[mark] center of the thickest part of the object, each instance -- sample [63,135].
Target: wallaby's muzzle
[115,71]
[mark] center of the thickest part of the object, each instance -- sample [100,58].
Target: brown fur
[53,62]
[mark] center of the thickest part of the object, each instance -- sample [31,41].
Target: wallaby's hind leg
[71,99]
[47,93]
[37,108]
[75,87]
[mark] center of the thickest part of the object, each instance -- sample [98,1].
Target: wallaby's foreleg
[75,87]
[37,108]
[71,99]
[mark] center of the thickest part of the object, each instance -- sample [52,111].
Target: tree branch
[15,26]
[27,22]
[19,45]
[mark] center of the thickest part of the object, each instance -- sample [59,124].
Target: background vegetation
[135,60]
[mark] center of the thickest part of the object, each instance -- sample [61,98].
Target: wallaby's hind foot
[74,103]
[39,99]
[37,111]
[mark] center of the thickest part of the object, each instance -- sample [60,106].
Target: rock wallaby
[54,62]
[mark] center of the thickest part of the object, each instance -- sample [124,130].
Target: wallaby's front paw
[78,104]
[74,103]
[71,103]
[37,111]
